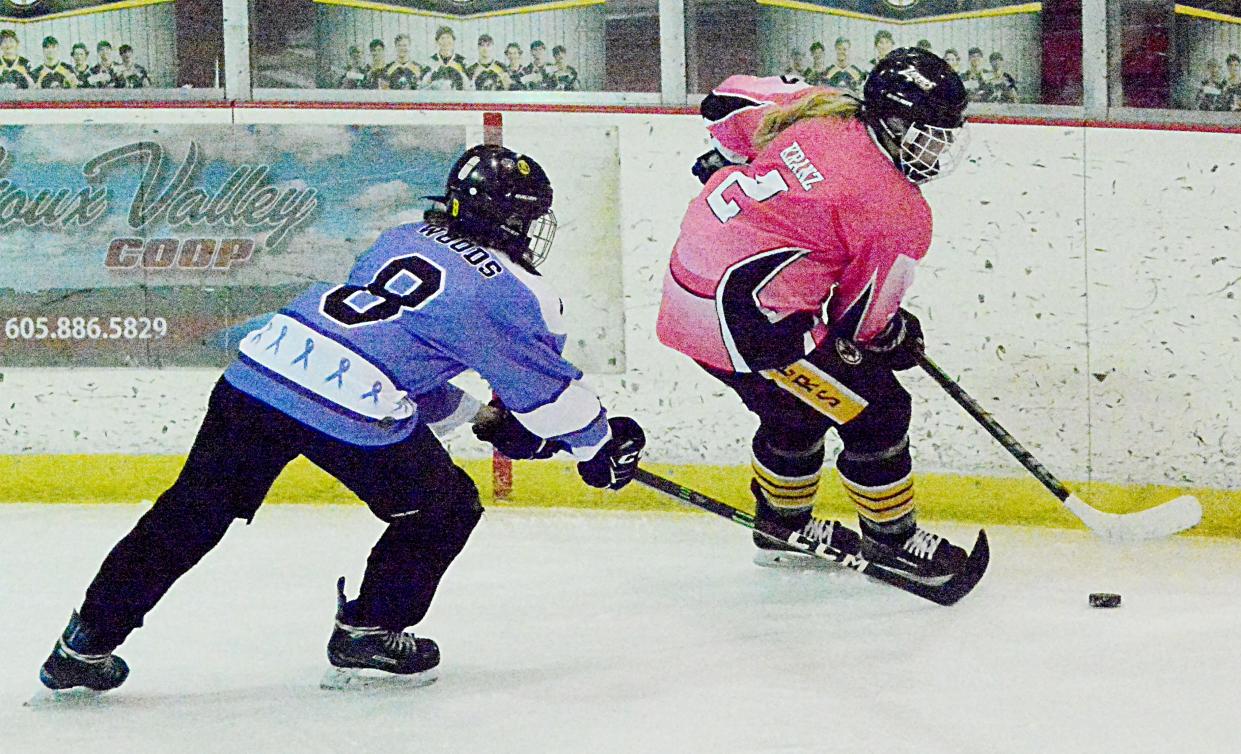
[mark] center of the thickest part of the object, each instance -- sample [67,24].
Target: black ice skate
[370,656]
[79,665]
[922,556]
[774,554]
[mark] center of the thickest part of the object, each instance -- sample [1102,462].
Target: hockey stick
[945,593]
[1163,520]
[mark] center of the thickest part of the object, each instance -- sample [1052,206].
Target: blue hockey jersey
[366,361]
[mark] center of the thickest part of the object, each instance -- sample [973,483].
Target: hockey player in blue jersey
[354,377]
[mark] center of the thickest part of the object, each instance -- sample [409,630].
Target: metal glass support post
[672,51]
[237,50]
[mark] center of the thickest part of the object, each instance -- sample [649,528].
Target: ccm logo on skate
[174,253]
[856,562]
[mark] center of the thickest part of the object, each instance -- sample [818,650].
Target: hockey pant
[429,503]
[835,387]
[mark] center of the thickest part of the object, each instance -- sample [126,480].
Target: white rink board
[566,632]
[1165,300]
[1016,301]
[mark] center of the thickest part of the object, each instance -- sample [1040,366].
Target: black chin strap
[880,137]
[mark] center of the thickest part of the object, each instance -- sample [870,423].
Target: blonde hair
[821,105]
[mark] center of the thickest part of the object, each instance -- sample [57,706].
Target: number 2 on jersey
[404,283]
[759,189]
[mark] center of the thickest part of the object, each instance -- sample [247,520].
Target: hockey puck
[1104,599]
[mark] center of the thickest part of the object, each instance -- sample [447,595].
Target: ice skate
[921,556]
[79,667]
[375,657]
[774,554]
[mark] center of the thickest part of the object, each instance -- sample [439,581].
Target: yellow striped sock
[792,492]
[884,503]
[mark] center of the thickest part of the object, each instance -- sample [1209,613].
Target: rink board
[555,484]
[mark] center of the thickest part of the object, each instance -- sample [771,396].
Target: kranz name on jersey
[800,165]
[482,261]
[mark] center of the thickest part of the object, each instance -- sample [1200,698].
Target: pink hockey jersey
[819,215]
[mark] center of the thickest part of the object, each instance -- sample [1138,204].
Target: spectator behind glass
[447,69]
[925,44]
[375,78]
[977,87]
[512,53]
[103,74]
[845,75]
[953,59]
[1003,86]
[53,73]
[487,74]
[14,69]
[1232,85]
[133,75]
[1211,89]
[797,64]
[817,73]
[535,75]
[355,70]
[883,45]
[403,73]
[81,65]
[563,74]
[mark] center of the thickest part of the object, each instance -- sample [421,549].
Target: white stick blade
[1177,515]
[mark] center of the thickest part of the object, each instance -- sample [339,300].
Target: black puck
[1104,599]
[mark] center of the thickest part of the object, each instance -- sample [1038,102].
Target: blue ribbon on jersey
[373,393]
[305,357]
[339,374]
[258,334]
[284,330]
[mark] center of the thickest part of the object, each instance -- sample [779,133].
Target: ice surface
[610,632]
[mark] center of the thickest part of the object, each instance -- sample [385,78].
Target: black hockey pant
[430,504]
[841,388]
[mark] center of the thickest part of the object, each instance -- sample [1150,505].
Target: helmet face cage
[926,152]
[541,233]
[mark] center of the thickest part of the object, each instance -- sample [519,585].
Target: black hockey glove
[511,438]
[707,163]
[616,462]
[898,346]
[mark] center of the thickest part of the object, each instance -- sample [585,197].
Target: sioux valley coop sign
[154,246]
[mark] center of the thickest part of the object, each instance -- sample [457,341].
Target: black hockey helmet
[503,199]
[916,104]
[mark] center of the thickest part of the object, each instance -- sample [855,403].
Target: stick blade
[947,593]
[1177,515]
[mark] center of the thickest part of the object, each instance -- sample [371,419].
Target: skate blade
[78,696]
[793,561]
[366,679]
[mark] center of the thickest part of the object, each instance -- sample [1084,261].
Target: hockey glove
[502,430]
[898,346]
[707,163]
[616,462]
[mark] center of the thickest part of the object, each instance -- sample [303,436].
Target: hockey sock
[788,478]
[882,489]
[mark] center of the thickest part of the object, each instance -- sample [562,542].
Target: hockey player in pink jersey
[786,284]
